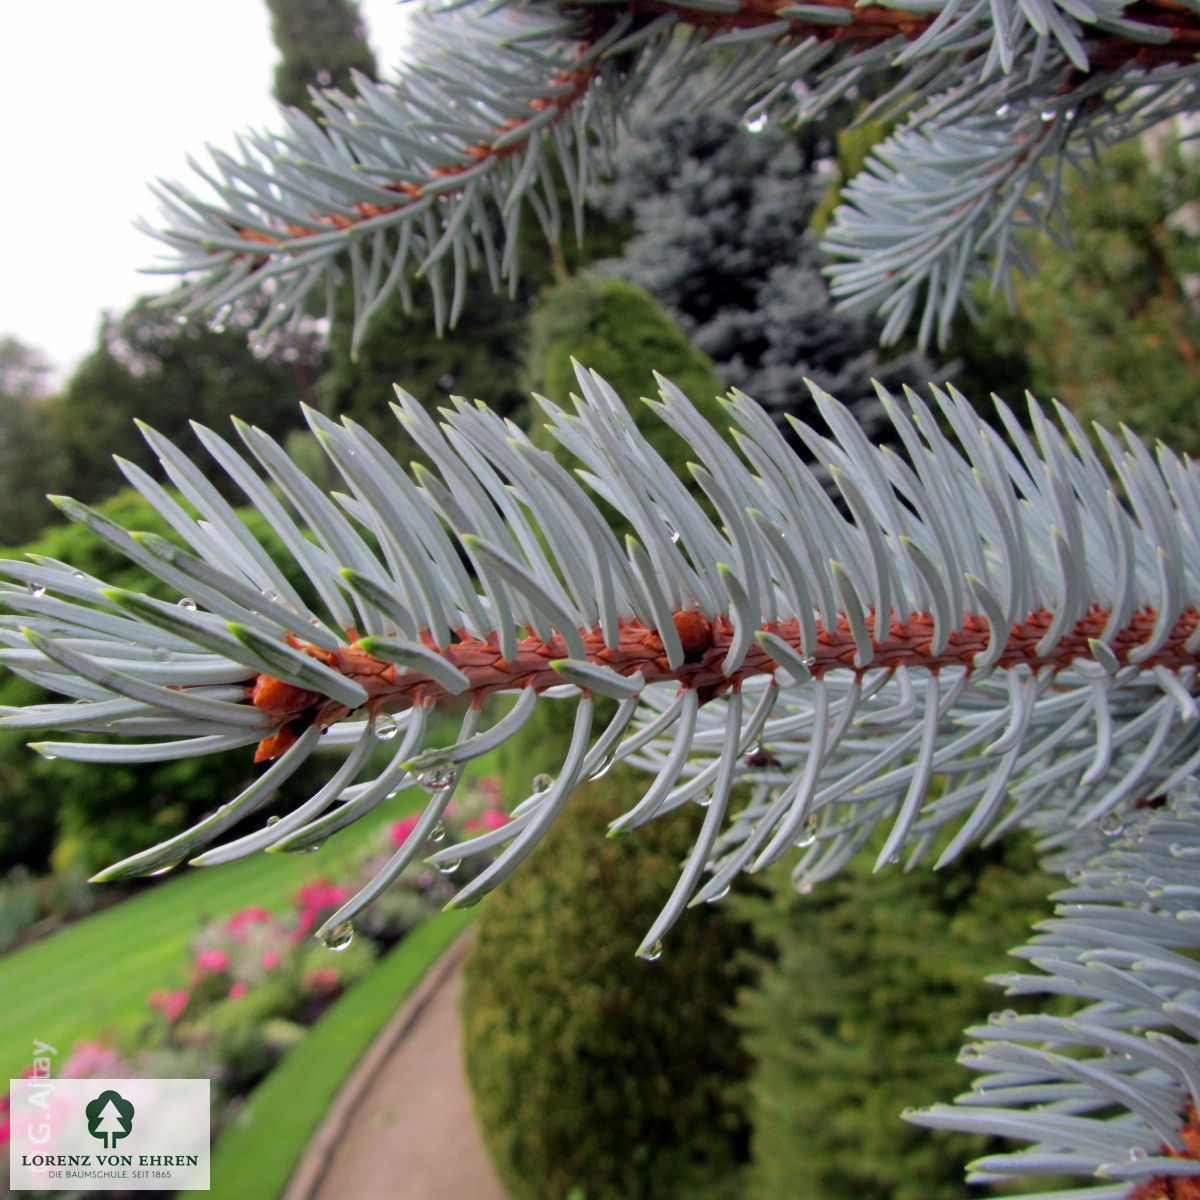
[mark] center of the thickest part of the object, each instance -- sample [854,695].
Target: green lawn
[95,975]
[257,1155]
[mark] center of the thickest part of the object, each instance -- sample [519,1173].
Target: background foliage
[858,1013]
[1110,324]
[722,239]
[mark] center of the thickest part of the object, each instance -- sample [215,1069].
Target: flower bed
[255,981]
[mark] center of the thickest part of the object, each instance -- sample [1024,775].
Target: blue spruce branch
[1109,1091]
[431,176]
[994,619]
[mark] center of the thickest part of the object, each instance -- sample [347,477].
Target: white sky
[99,99]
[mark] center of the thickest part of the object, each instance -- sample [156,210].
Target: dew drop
[270,594]
[314,621]
[1047,114]
[1002,110]
[46,754]
[716,897]
[1111,824]
[756,124]
[449,867]
[438,833]
[705,798]
[542,783]
[339,937]
[308,849]
[274,820]
[894,858]
[1136,1152]
[188,603]
[808,834]
[37,591]
[653,952]
[603,766]
[761,756]
[438,779]
[805,888]
[162,870]
[386,727]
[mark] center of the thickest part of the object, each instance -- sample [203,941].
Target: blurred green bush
[859,1012]
[595,1073]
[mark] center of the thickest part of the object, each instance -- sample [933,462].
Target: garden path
[402,1128]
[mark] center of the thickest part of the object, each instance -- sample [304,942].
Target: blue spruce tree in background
[721,215]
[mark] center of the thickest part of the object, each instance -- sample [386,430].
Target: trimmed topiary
[597,1075]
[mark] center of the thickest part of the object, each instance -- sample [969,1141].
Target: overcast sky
[98,99]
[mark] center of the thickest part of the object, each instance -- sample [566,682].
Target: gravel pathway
[402,1128]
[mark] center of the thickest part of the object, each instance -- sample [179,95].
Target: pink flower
[490,818]
[212,960]
[171,1003]
[321,894]
[248,916]
[270,960]
[402,829]
[238,990]
[489,785]
[316,901]
[91,1060]
[4,1130]
[323,979]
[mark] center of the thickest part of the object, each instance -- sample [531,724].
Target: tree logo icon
[109,1117]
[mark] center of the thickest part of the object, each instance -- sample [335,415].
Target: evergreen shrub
[620,330]
[860,1012]
[597,1075]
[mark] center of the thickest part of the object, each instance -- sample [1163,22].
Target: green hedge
[620,330]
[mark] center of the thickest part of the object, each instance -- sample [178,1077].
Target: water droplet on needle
[339,937]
